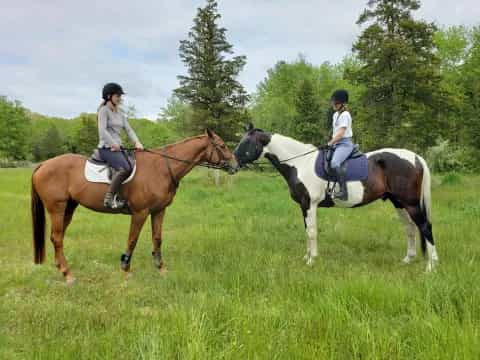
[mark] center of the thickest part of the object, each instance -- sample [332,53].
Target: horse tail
[38,225]
[425,197]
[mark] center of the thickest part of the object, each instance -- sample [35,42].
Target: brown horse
[59,185]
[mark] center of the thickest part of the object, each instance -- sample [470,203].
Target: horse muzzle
[231,166]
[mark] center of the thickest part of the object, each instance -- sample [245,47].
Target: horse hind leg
[58,222]
[70,209]
[426,235]
[411,232]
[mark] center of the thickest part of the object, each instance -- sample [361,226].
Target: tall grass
[237,286]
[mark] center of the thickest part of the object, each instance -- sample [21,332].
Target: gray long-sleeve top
[110,125]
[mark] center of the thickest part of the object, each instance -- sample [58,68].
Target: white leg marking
[432,257]
[311,229]
[411,231]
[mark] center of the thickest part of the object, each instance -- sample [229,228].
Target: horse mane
[296,142]
[168,146]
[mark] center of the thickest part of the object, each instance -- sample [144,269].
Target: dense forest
[412,84]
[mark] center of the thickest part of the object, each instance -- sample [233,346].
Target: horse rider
[341,139]
[111,120]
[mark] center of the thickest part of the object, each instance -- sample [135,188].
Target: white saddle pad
[99,173]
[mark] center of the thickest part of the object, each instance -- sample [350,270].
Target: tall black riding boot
[343,193]
[112,199]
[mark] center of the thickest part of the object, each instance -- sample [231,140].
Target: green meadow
[237,286]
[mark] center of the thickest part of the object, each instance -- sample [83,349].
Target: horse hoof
[163,270]
[431,267]
[127,275]
[157,262]
[69,280]
[310,261]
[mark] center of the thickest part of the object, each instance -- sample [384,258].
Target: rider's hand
[138,146]
[115,147]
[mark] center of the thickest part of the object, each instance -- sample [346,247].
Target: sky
[55,55]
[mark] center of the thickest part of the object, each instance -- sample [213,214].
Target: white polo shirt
[342,120]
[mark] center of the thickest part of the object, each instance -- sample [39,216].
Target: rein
[165,155]
[167,158]
[320,148]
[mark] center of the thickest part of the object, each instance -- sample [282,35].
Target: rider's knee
[125,170]
[335,164]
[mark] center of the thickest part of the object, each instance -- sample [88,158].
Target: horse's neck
[191,151]
[284,147]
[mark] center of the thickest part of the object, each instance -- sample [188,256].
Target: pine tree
[400,73]
[310,115]
[471,75]
[211,88]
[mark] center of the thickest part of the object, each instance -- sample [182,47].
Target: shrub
[444,157]
[8,163]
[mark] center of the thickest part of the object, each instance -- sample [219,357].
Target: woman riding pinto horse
[341,140]
[398,175]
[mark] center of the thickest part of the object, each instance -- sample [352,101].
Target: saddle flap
[98,170]
[356,168]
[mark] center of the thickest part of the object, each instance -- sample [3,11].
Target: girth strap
[170,171]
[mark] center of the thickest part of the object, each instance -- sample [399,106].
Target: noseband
[223,163]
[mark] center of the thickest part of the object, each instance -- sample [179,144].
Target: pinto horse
[59,185]
[398,175]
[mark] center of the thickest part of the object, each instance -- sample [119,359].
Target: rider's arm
[338,136]
[103,134]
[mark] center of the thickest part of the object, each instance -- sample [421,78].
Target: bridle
[223,163]
[222,160]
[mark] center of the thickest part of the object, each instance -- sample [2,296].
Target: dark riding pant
[116,159]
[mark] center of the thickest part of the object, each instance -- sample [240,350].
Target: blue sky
[55,55]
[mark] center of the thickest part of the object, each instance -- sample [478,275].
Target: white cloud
[56,55]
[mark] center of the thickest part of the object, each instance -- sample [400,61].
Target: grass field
[237,287]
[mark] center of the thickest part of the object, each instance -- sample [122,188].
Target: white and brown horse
[398,175]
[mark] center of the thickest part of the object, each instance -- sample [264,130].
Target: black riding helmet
[111,89]
[340,96]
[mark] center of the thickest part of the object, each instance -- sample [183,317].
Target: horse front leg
[157,222]
[310,217]
[138,219]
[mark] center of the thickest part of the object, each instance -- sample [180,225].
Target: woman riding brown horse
[59,185]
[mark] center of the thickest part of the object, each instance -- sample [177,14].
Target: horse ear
[249,127]
[209,133]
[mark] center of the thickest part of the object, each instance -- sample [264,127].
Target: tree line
[30,136]
[411,85]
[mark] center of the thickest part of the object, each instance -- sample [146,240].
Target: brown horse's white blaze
[398,175]
[59,186]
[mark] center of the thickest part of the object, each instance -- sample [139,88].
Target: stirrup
[341,195]
[113,201]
